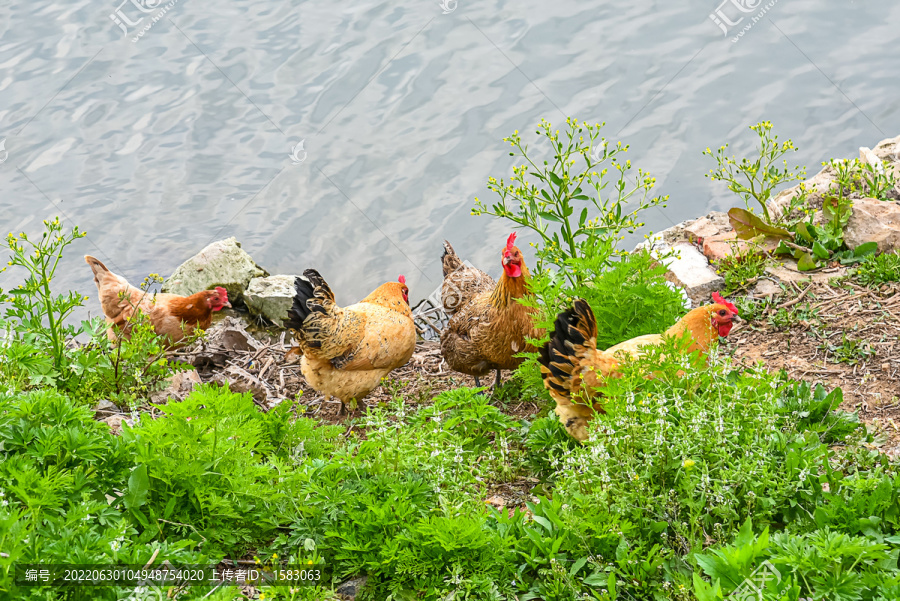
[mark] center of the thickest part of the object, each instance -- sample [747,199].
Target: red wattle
[512,270]
[724,328]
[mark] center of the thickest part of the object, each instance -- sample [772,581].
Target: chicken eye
[722,312]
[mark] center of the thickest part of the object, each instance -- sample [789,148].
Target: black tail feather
[299,311]
[573,327]
[313,295]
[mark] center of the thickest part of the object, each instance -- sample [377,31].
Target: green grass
[879,269]
[741,270]
[660,502]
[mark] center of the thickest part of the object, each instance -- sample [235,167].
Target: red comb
[511,240]
[718,298]
[222,292]
[402,279]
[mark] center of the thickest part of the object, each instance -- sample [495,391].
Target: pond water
[159,127]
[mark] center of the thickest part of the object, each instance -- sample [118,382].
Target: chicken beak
[227,304]
[736,318]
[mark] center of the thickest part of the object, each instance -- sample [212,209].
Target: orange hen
[172,315]
[348,350]
[572,367]
[488,325]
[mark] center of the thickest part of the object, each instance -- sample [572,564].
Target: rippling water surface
[159,144]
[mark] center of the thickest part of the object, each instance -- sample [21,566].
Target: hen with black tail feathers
[348,350]
[572,367]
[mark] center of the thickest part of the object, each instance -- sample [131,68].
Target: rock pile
[691,248]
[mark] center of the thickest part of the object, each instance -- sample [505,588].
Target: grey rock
[106,406]
[270,297]
[787,273]
[766,287]
[222,263]
[350,589]
[874,220]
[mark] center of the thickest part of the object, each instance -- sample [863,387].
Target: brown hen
[488,326]
[172,315]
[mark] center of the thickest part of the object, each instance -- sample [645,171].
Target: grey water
[353,136]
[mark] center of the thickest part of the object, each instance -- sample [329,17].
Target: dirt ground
[841,335]
[255,360]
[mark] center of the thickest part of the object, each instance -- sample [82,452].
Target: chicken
[172,315]
[488,326]
[461,281]
[347,351]
[572,367]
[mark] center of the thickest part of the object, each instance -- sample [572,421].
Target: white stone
[271,297]
[867,156]
[874,220]
[690,270]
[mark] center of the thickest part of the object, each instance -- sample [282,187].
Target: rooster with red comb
[488,325]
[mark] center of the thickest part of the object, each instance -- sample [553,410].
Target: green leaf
[706,591]
[138,488]
[807,263]
[865,249]
[820,251]
[747,225]
[543,522]
[835,211]
[577,566]
[583,217]
[807,231]
[549,216]
[745,534]
[657,527]
[783,249]
[598,579]
[140,517]
[170,507]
